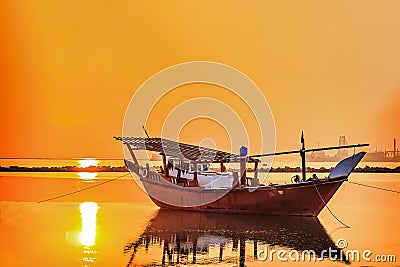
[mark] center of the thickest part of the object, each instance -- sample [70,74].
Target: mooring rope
[326,205]
[375,187]
[84,189]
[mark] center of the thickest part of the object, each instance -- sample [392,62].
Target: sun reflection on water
[89,215]
[87,175]
[87,236]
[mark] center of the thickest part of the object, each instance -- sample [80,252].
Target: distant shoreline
[366,169]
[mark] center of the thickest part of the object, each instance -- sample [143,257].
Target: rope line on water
[84,189]
[326,205]
[375,187]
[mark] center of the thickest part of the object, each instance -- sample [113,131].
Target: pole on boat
[303,157]
[195,171]
[243,159]
[255,181]
[132,153]
[306,150]
[164,161]
[145,131]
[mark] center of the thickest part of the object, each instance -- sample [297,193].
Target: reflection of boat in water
[185,182]
[182,237]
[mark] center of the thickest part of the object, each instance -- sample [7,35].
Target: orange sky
[69,68]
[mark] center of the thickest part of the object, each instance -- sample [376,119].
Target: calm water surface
[117,225]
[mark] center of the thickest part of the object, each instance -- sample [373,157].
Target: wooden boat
[184,182]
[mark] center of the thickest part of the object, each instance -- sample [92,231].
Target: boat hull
[299,200]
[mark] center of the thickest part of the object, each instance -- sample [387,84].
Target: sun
[84,163]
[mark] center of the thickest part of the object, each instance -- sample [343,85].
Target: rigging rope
[326,205]
[375,187]
[84,189]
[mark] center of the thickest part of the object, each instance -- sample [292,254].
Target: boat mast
[303,157]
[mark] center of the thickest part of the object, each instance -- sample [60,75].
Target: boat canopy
[180,150]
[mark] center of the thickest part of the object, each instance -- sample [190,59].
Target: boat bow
[346,166]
